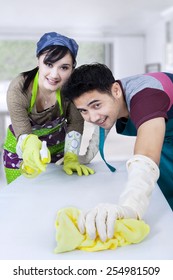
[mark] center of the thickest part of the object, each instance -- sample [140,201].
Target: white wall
[155,44]
[128,58]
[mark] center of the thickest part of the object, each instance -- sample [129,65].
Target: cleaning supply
[69,238]
[30,167]
[143,174]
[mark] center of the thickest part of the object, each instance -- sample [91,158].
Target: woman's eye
[49,65]
[65,67]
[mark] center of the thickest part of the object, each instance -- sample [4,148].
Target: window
[18,56]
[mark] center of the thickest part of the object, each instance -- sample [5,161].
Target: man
[141,105]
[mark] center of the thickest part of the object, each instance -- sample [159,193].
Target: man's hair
[86,78]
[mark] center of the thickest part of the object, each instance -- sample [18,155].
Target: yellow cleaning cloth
[68,237]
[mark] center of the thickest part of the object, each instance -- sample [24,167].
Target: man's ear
[116,90]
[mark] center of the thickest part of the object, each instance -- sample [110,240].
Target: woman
[40,116]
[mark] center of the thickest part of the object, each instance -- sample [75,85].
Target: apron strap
[101,148]
[58,98]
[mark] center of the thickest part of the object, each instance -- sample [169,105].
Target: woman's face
[53,75]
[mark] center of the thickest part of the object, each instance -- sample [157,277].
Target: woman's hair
[86,78]
[53,54]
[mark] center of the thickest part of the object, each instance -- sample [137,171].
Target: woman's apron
[53,132]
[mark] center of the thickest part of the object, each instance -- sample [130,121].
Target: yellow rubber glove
[35,156]
[71,163]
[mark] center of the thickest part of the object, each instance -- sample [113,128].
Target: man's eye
[97,106]
[82,111]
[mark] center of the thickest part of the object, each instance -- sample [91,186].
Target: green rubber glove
[32,154]
[71,163]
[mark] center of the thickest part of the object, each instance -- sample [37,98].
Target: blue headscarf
[55,39]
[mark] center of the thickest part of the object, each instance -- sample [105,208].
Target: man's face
[98,108]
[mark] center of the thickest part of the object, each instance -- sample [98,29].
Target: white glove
[93,147]
[102,219]
[143,174]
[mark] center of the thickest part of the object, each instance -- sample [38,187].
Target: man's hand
[102,219]
[143,174]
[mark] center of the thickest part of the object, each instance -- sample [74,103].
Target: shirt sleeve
[148,104]
[18,103]
[75,122]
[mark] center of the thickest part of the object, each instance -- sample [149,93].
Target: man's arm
[150,138]
[143,173]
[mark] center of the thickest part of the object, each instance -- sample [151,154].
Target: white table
[28,209]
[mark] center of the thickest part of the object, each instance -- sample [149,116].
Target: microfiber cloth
[68,237]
